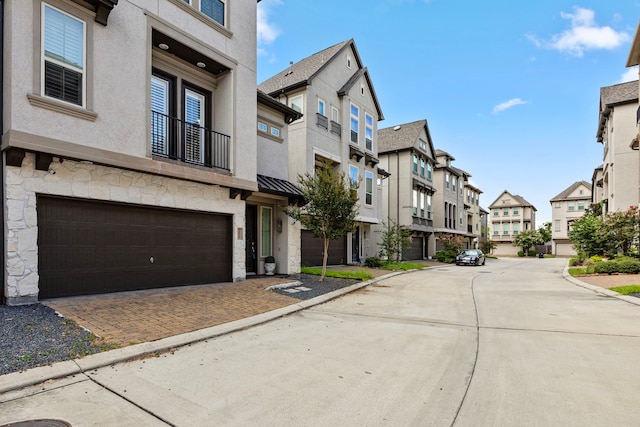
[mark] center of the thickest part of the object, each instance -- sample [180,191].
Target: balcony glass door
[159,115]
[194,115]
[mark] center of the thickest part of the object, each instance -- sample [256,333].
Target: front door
[355,245]
[251,243]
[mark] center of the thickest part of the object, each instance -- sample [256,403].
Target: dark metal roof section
[279,187]
[102,8]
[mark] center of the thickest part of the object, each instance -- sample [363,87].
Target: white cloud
[583,35]
[509,104]
[630,75]
[267,31]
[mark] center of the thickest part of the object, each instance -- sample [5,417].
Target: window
[495,230]
[348,61]
[446,180]
[355,123]
[429,207]
[505,228]
[296,103]
[368,188]
[214,9]
[505,211]
[321,105]
[572,206]
[429,170]
[557,225]
[63,56]
[453,183]
[421,167]
[353,174]
[422,197]
[516,227]
[261,126]
[335,114]
[580,206]
[496,212]
[415,164]
[368,131]
[265,231]
[275,132]
[515,211]
[414,203]
[422,145]
[557,205]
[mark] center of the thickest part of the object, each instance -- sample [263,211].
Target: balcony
[422,221]
[190,143]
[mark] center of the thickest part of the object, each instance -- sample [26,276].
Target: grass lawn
[361,274]
[626,290]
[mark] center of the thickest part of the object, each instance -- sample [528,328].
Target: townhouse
[334,92]
[634,60]
[615,182]
[131,168]
[407,154]
[567,207]
[511,214]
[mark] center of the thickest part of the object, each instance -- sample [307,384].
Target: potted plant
[269,265]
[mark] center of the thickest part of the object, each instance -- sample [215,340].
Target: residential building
[617,132]
[566,208]
[511,214]
[451,213]
[407,154]
[269,231]
[632,61]
[334,91]
[130,144]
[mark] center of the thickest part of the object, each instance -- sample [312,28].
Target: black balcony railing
[188,142]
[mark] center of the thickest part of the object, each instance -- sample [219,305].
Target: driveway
[512,343]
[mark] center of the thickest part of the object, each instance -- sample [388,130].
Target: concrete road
[511,343]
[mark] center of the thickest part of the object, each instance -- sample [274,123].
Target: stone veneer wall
[95,182]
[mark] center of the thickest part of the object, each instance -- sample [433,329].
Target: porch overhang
[280,187]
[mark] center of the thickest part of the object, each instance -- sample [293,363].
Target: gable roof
[289,114]
[519,201]
[565,195]
[403,137]
[302,73]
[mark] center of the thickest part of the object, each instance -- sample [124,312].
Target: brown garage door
[88,247]
[312,250]
[415,250]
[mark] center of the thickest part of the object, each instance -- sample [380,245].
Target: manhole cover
[38,423]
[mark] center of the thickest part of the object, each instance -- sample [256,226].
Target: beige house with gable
[566,208]
[334,92]
[510,214]
[617,178]
[116,183]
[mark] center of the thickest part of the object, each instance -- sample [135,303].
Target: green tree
[622,230]
[395,239]
[545,232]
[330,210]
[488,246]
[528,239]
[589,236]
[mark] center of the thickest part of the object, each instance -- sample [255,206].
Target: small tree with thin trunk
[331,206]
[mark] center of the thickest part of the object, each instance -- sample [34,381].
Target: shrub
[607,267]
[520,253]
[448,256]
[373,262]
[574,260]
[532,252]
[596,258]
[629,266]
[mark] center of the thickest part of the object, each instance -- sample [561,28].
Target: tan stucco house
[129,142]
[510,214]
[406,152]
[566,208]
[618,176]
[334,91]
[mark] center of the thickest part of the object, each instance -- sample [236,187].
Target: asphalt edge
[20,380]
[598,289]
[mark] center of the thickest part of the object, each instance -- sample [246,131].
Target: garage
[88,247]
[414,252]
[313,249]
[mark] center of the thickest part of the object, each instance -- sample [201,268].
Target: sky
[509,88]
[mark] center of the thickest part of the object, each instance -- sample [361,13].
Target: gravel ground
[35,335]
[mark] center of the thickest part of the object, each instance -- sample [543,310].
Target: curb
[19,380]
[598,289]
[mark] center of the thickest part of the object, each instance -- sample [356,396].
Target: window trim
[368,142]
[368,188]
[322,107]
[191,9]
[292,104]
[355,118]
[357,174]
